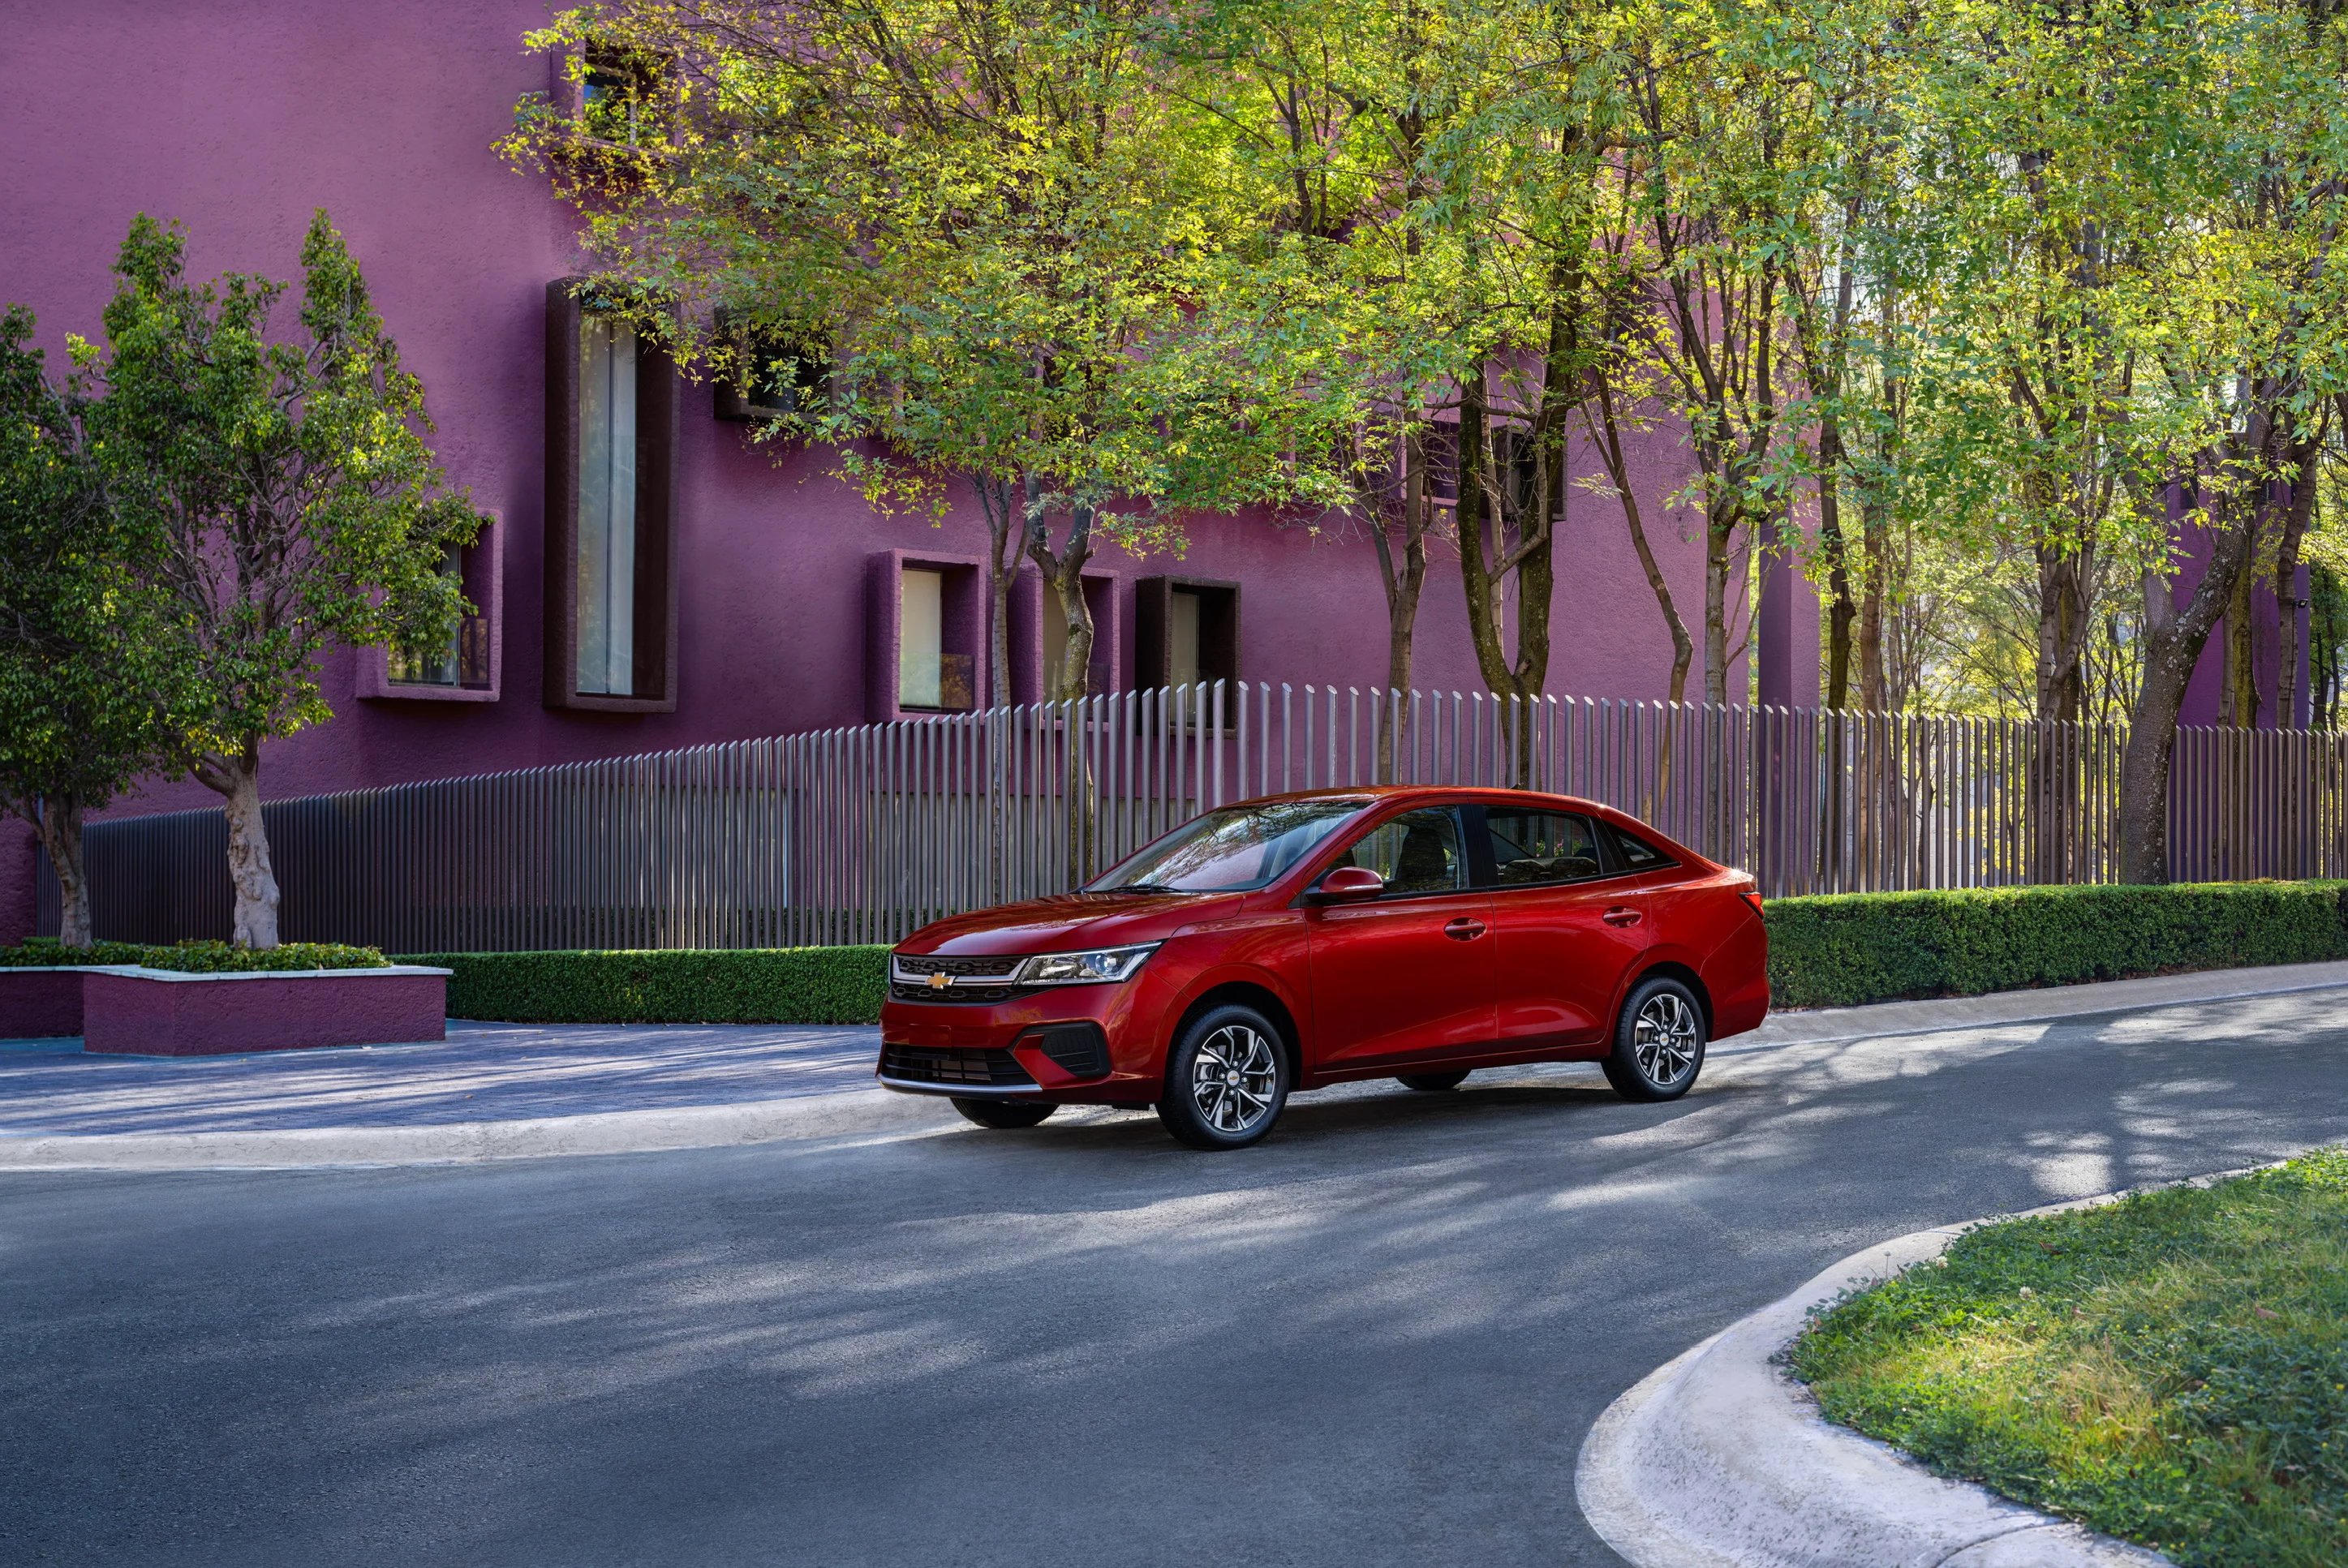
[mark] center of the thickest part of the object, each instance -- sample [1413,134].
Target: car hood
[1067,921]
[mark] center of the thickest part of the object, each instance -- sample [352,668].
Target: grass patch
[197,957]
[2172,1369]
[1849,948]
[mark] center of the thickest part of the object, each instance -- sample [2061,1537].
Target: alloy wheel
[1667,1038]
[1233,1078]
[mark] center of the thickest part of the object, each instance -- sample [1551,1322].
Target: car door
[1569,924]
[1408,975]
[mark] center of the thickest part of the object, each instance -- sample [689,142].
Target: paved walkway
[482,1072]
[535,1089]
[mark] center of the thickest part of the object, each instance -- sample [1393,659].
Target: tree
[283,498]
[990,215]
[79,676]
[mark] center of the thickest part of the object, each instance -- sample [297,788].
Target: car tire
[1226,1079]
[1658,1042]
[1433,1082]
[1005,1115]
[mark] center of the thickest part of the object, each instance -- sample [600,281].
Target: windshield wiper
[1137,887]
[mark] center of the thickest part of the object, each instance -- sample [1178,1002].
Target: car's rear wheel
[1226,1079]
[1004,1114]
[1434,1083]
[1658,1042]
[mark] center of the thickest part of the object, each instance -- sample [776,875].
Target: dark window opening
[1637,854]
[610,593]
[1186,632]
[770,372]
[462,662]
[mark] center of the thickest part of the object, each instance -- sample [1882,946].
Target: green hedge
[771,985]
[1837,951]
[198,957]
[1849,948]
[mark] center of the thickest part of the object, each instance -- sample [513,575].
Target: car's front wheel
[1226,1079]
[1004,1114]
[1658,1042]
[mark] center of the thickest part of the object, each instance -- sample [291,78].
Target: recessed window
[611,443]
[1186,631]
[463,661]
[1039,637]
[607,508]
[771,373]
[928,624]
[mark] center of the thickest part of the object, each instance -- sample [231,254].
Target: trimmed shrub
[1845,950]
[198,957]
[769,985]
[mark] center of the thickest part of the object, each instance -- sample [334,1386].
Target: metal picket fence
[860,834]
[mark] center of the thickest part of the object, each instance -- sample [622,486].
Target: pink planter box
[40,1003]
[155,1013]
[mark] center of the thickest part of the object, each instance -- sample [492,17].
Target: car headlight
[1093,968]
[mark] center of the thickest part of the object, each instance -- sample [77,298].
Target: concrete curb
[1718,1459]
[851,1114]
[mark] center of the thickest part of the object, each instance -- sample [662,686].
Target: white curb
[863,1113]
[1720,1459]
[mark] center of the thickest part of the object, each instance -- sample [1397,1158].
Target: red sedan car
[1284,944]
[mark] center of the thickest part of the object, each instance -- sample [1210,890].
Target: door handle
[1463,929]
[1621,914]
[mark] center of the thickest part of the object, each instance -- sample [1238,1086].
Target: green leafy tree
[285,499]
[80,679]
[995,222]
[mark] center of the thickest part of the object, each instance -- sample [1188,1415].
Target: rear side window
[1535,848]
[1637,854]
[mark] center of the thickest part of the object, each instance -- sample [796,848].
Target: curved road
[1377,1338]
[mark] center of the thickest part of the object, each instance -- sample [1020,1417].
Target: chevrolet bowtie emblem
[939,982]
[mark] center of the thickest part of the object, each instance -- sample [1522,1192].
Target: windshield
[1235,850]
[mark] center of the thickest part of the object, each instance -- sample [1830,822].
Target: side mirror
[1347,885]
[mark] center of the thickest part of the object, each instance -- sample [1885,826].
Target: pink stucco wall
[239,117]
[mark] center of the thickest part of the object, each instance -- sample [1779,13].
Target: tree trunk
[57,824]
[2297,519]
[2173,640]
[239,779]
[2063,625]
[1720,520]
[1874,687]
[1002,566]
[1840,611]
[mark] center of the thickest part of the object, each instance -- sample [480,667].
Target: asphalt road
[1377,1338]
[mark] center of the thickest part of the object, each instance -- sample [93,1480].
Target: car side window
[1637,855]
[1535,848]
[1418,852]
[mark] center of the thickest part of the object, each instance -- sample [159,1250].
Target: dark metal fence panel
[861,835]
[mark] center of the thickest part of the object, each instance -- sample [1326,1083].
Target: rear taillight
[1752,895]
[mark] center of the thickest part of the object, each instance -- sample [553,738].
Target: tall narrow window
[607,506]
[921,638]
[1182,637]
[611,560]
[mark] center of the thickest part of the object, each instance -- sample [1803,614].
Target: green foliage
[82,684]
[1846,950]
[784,985]
[2172,1369]
[288,497]
[198,957]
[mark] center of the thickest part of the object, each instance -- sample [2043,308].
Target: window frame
[1601,839]
[1030,675]
[1469,827]
[483,568]
[735,399]
[655,681]
[963,613]
[1153,630]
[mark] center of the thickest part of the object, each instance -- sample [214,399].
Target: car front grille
[975,980]
[941,1064]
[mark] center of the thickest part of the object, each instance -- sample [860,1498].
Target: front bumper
[1068,1044]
